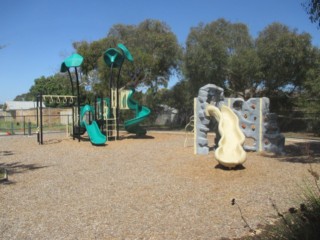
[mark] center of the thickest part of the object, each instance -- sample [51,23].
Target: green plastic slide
[132,125]
[94,133]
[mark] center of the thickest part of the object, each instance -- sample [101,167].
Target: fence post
[68,125]
[24,125]
[12,128]
[29,128]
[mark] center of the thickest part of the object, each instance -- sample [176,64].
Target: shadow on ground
[236,168]
[52,141]
[6,153]
[301,152]
[139,137]
[17,168]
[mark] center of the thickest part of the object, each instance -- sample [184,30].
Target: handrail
[189,124]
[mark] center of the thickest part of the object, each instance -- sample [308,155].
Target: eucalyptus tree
[286,56]
[158,53]
[206,57]
[92,53]
[308,100]
[155,49]
[313,9]
[24,97]
[58,84]
[245,73]
[209,49]
[181,98]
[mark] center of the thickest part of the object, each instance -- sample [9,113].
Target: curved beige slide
[230,152]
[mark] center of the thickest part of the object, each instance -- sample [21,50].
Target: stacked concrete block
[208,94]
[258,124]
[273,140]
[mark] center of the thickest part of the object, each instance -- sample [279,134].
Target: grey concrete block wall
[258,124]
[250,113]
[208,94]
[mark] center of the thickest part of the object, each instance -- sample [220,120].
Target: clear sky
[37,35]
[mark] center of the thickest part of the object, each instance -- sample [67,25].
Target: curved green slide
[132,125]
[94,133]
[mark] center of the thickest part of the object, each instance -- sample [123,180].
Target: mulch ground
[148,188]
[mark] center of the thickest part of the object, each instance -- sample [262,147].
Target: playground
[151,187]
[221,183]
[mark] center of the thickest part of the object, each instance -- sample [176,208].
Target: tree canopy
[209,49]
[280,63]
[155,49]
[313,9]
[286,57]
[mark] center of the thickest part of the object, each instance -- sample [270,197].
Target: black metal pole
[41,123]
[72,112]
[101,113]
[110,107]
[117,104]
[38,136]
[72,90]
[78,102]
[111,85]
[96,108]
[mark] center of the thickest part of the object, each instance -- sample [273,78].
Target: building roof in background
[21,105]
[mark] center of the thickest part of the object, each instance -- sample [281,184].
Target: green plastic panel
[113,57]
[126,52]
[94,133]
[75,60]
[132,125]
[63,67]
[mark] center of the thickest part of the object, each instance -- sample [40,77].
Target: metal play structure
[74,61]
[65,99]
[101,122]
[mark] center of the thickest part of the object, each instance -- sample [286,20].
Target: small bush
[301,222]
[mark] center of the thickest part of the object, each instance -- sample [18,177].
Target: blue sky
[38,34]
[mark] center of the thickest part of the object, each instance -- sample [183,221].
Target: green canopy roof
[126,52]
[63,67]
[113,57]
[75,60]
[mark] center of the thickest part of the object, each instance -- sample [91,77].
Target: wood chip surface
[149,188]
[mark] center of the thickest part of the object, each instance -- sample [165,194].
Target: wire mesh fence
[61,121]
[306,122]
[27,125]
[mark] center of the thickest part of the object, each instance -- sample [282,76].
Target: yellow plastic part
[230,152]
